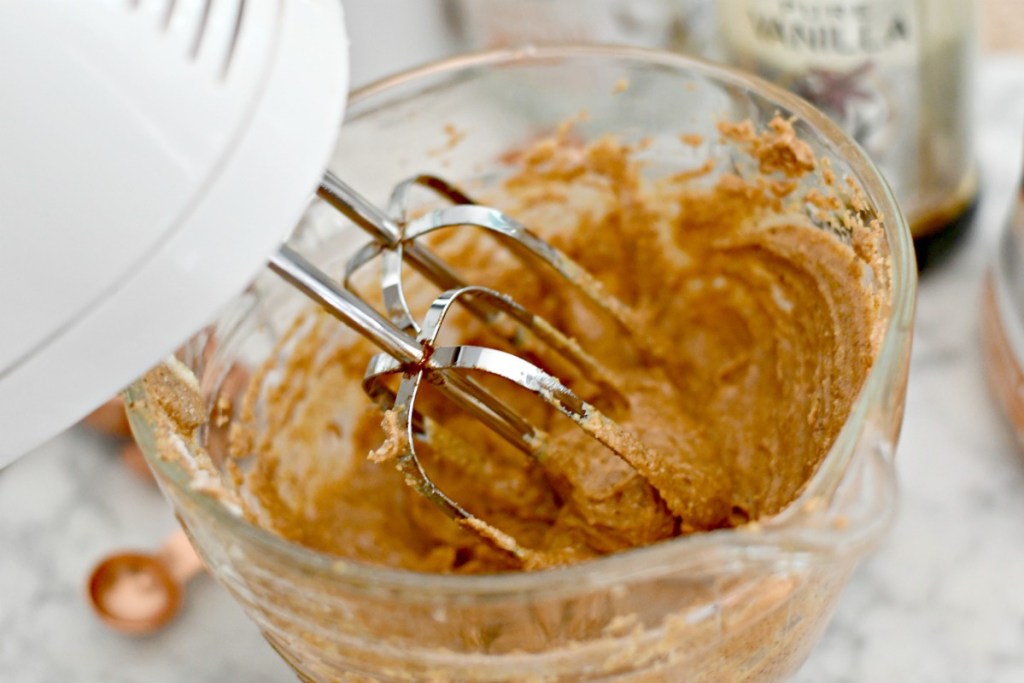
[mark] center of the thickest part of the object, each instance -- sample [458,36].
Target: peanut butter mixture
[756,297]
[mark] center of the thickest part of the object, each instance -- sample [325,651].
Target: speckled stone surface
[940,602]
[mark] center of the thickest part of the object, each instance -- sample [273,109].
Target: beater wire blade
[450,368]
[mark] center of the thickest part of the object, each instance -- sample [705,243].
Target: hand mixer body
[153,154]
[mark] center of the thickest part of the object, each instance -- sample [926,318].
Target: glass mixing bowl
[743,604]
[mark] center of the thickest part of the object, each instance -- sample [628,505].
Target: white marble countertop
[942,600]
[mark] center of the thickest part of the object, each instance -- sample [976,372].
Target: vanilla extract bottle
[895,74]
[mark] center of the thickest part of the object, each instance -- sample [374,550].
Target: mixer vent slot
[201,12]
[235,32]
[171,4]
[201,29]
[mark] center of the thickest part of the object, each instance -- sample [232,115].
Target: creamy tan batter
[755,331]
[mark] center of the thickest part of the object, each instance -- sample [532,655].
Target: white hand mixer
[154,154]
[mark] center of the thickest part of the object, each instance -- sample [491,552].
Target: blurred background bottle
[1002,316]
[895,74]
[484,24]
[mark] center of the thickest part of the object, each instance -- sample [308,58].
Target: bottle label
[834,34]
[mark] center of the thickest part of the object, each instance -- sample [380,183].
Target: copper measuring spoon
[138,593]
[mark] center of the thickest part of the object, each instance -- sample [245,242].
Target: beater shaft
[362,318]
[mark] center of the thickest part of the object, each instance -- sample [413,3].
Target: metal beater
[410,349]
